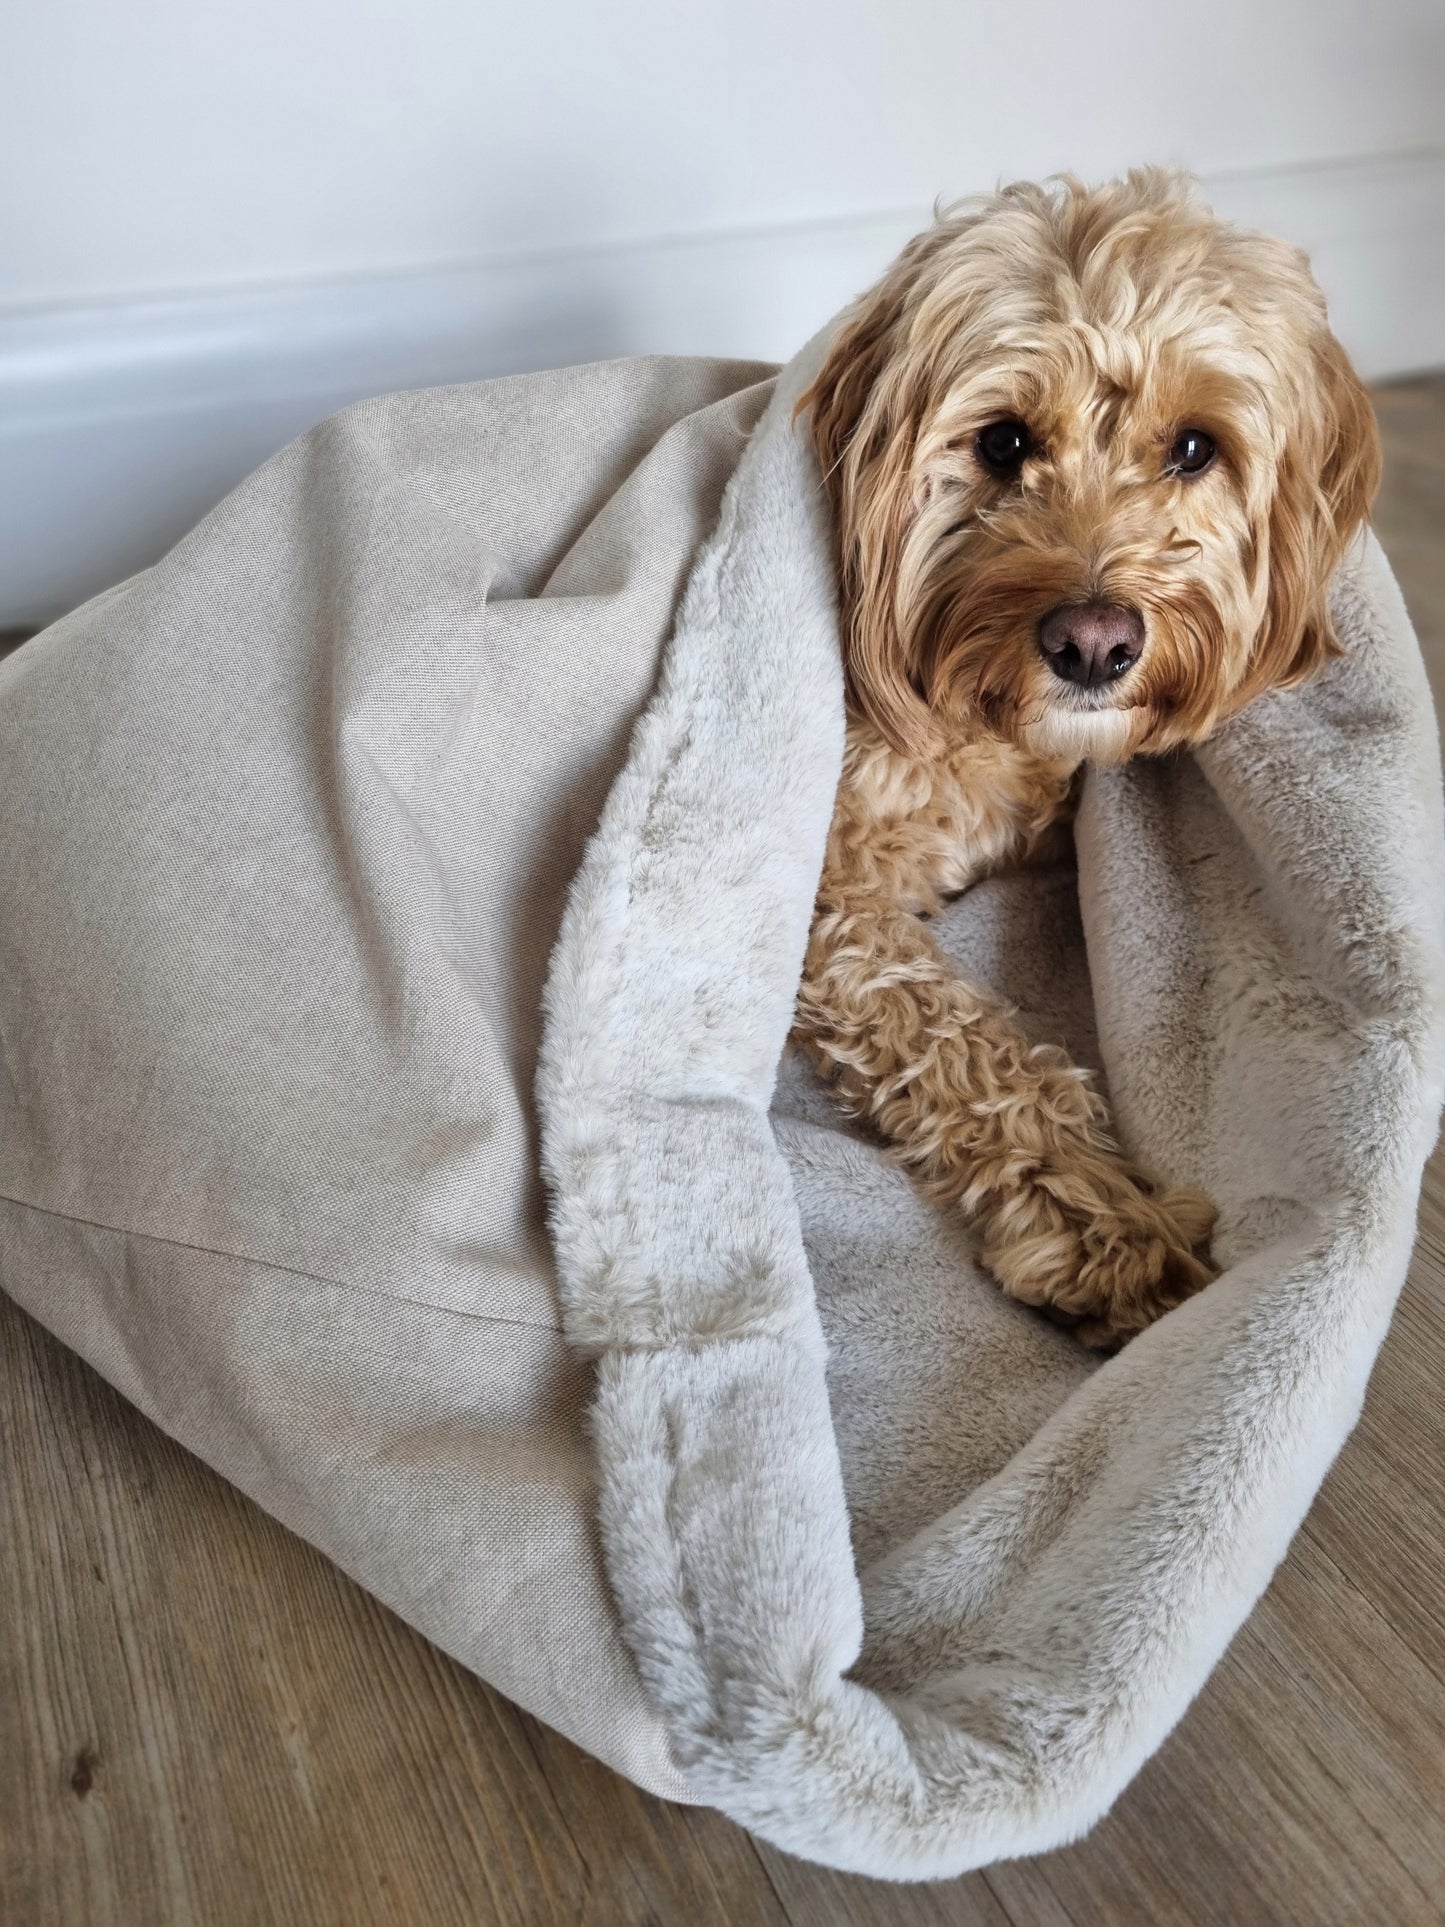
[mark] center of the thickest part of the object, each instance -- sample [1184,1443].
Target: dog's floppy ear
[865,418]
[1327,478]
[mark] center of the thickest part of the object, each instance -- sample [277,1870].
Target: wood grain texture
[201,1721]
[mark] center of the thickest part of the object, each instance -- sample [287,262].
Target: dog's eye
[1004,446]
[1192,452]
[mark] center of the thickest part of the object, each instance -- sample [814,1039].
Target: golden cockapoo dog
[1093,457]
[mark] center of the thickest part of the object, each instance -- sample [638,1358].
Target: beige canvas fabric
[286,829]
[794,1513]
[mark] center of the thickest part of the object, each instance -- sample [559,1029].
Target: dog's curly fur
[1106,323]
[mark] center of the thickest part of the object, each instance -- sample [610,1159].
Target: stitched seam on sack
[270,1264]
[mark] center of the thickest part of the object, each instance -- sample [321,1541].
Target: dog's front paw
[1107,1274]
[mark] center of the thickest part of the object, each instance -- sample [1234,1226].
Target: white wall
[219,220]
[181,144]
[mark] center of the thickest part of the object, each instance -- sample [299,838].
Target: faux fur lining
[1029,1649]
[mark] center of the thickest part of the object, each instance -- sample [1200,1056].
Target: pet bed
[295,826]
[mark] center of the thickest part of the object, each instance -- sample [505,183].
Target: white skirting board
[121,423]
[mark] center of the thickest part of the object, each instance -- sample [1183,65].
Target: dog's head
[1094,455]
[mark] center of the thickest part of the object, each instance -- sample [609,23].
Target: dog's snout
[1091,642]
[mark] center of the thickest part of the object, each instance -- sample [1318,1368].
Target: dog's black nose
[1091,642]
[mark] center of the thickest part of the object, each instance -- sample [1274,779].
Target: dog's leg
[1010,1132]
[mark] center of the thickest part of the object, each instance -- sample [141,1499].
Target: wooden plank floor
[202,1721]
